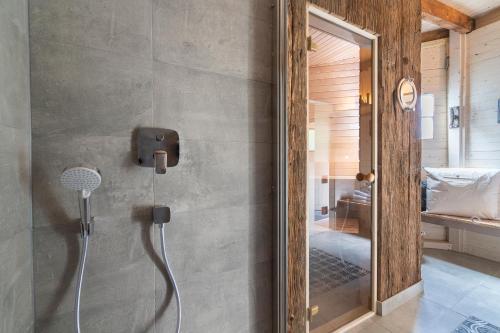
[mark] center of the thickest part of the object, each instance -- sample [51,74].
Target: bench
[347,208]
[488,227]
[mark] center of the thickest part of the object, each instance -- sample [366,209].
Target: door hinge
[311,46]
[312,311]
[447,62]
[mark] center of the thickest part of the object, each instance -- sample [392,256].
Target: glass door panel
[340,174]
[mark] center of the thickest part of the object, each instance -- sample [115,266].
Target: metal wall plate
[161,214]
[150,140]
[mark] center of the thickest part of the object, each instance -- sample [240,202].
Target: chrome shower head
[82,179]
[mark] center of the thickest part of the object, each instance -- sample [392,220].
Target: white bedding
[464,192]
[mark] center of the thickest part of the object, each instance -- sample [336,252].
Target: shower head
[82,179]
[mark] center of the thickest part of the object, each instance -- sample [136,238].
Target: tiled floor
[456,286]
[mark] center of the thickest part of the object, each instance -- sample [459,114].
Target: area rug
[327,272]
[476,325]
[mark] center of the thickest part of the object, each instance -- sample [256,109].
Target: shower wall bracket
[151,140]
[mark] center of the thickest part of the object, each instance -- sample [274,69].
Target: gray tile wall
[100,69]
[16,256]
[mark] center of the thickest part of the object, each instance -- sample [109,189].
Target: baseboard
[392,303]
[437,244]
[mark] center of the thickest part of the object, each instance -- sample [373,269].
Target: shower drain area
[327,272]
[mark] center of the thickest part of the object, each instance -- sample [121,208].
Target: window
[427,121]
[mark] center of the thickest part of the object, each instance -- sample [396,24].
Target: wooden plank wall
[435,82]
[483,56]
[483,133]
[399,250]
[334,88]
[435,150]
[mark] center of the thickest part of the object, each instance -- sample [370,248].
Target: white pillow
[464,192]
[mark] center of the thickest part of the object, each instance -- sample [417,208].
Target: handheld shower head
[82,179]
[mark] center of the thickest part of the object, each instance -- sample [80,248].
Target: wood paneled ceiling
[429,26]
[330,49]
[473,8]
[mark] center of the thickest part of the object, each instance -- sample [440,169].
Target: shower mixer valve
[158,148]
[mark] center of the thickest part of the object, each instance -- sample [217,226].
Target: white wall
[434,81]
[435,150]
[483,132]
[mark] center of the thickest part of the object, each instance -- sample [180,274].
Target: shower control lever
[154,145]
[161,158]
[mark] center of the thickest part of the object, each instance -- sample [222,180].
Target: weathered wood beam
[446,17]
[435,35]
[490,17]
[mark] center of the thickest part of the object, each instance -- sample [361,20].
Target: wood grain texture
[398,23]
[297,163]
[490,17]
[446,17]
[487,227]
[435,35]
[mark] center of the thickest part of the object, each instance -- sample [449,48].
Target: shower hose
[171,276]
[81,269]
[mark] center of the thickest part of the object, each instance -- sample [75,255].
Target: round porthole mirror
[407,94]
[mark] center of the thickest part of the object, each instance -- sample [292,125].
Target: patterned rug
[327,272]
[476,325]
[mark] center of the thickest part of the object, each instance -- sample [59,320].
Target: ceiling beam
[435,35]
[446,17]
[488,18]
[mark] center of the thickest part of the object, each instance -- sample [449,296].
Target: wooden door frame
[291,165]
[399,242]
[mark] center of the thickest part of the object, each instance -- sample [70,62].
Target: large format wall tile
[83,91]
[100,71]
[14,78]
[212,107]
[15,181]
[226,37]
[16,259]
[220,241]
[133,315]
[16,274]
[125,191]
[120,26]
[217,175]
